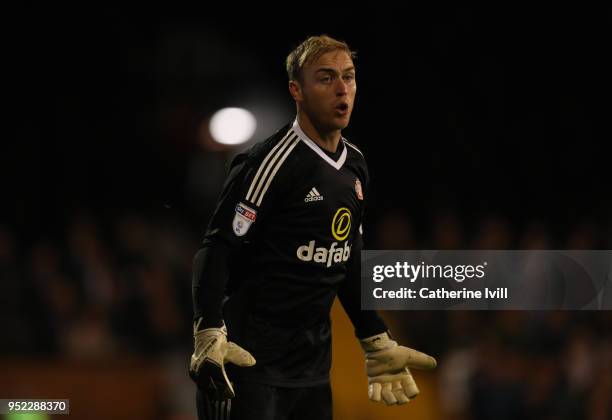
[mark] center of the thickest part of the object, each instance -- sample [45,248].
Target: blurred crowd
[509,364]
[100,290]
[120,285]
[517,364]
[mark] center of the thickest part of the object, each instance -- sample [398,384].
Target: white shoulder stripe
[294,141]
[266,177]
[352,145]
[265,161]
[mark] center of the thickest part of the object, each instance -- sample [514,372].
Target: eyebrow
[330,70]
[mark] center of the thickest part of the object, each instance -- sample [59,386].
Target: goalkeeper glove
[212,351]
[387,366]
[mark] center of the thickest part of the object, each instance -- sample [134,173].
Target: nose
[341,87]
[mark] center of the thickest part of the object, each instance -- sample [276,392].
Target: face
[327,90]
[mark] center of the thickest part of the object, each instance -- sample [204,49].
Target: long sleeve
[243,203]
[366,323]
[229,228]
[208,282]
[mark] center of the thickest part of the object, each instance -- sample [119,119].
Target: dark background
[484,128]
[476,110]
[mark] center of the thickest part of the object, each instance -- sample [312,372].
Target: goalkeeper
[283,242]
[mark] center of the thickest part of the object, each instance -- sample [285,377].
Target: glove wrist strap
[197,324]
[377,342]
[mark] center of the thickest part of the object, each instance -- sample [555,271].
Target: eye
[325,79]
[349,77]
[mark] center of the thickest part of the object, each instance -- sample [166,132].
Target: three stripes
[270,166]
[219,410]
[313,193]
[272,163]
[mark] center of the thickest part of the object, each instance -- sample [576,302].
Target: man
[284,240]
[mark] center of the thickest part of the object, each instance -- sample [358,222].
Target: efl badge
[243,219]
[358,189]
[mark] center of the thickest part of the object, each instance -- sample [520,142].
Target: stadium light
[232,126]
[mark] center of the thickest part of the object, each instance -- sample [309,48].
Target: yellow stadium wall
[349,382]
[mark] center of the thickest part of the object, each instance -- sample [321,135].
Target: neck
[325,139]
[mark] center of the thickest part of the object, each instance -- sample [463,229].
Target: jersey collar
[315,147]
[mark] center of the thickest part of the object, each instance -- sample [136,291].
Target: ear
[295,89]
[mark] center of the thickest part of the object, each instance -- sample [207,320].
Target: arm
[210,265]
[387,363]
[366,323]
[208,283]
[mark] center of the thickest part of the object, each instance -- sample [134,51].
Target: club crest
[358,189]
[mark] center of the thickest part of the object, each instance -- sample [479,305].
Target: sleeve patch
[243,219]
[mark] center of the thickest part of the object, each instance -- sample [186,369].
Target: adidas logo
[313,195]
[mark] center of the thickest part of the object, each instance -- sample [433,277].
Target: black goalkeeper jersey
[292,215]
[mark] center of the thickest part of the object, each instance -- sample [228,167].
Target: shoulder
[353,151]
[259,167]
[352,146]
[265,151]
[356,160]
[258,152]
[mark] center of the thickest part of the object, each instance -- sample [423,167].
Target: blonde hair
[311,49]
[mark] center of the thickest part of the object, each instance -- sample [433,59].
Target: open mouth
[342,107]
